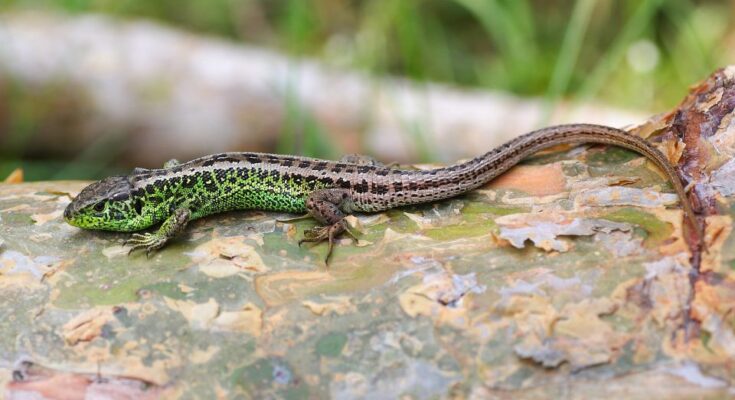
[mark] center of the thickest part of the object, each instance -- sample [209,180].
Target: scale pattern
[236,181]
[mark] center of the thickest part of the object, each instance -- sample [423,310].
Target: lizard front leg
[169,229]
[325,206]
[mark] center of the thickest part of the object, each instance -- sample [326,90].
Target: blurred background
[91,88]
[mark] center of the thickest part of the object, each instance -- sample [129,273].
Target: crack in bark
[698,117]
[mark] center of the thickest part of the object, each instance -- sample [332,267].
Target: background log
[143,93]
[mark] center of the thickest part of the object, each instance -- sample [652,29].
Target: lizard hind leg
[360,159]
[324,233]
[168,164]
[171,163]
[325,205]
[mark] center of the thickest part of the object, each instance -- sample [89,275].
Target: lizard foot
[148,241]
[320,234]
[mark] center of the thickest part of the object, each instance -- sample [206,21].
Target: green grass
[559,50]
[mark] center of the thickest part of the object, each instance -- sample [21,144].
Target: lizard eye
[99,207]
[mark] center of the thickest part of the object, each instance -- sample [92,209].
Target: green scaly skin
[325,190]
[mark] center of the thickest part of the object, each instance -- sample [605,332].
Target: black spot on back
[361,187]
[253,159]
[189,182]
[343,183]
[379,189]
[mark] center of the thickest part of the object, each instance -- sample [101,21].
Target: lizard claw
[148,241]
[315,234]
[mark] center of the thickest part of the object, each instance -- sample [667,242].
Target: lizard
[325,190]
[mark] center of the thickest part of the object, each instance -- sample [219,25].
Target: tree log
[568,277]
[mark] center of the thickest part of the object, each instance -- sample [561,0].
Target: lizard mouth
[68,215]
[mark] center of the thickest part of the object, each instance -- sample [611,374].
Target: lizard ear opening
[139,206]
[99,207]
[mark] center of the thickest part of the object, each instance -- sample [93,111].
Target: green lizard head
[109,204]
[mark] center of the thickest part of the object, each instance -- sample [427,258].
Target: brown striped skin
[327,190]
[377,188]
[442,183]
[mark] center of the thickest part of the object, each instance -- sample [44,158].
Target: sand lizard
[325,190]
